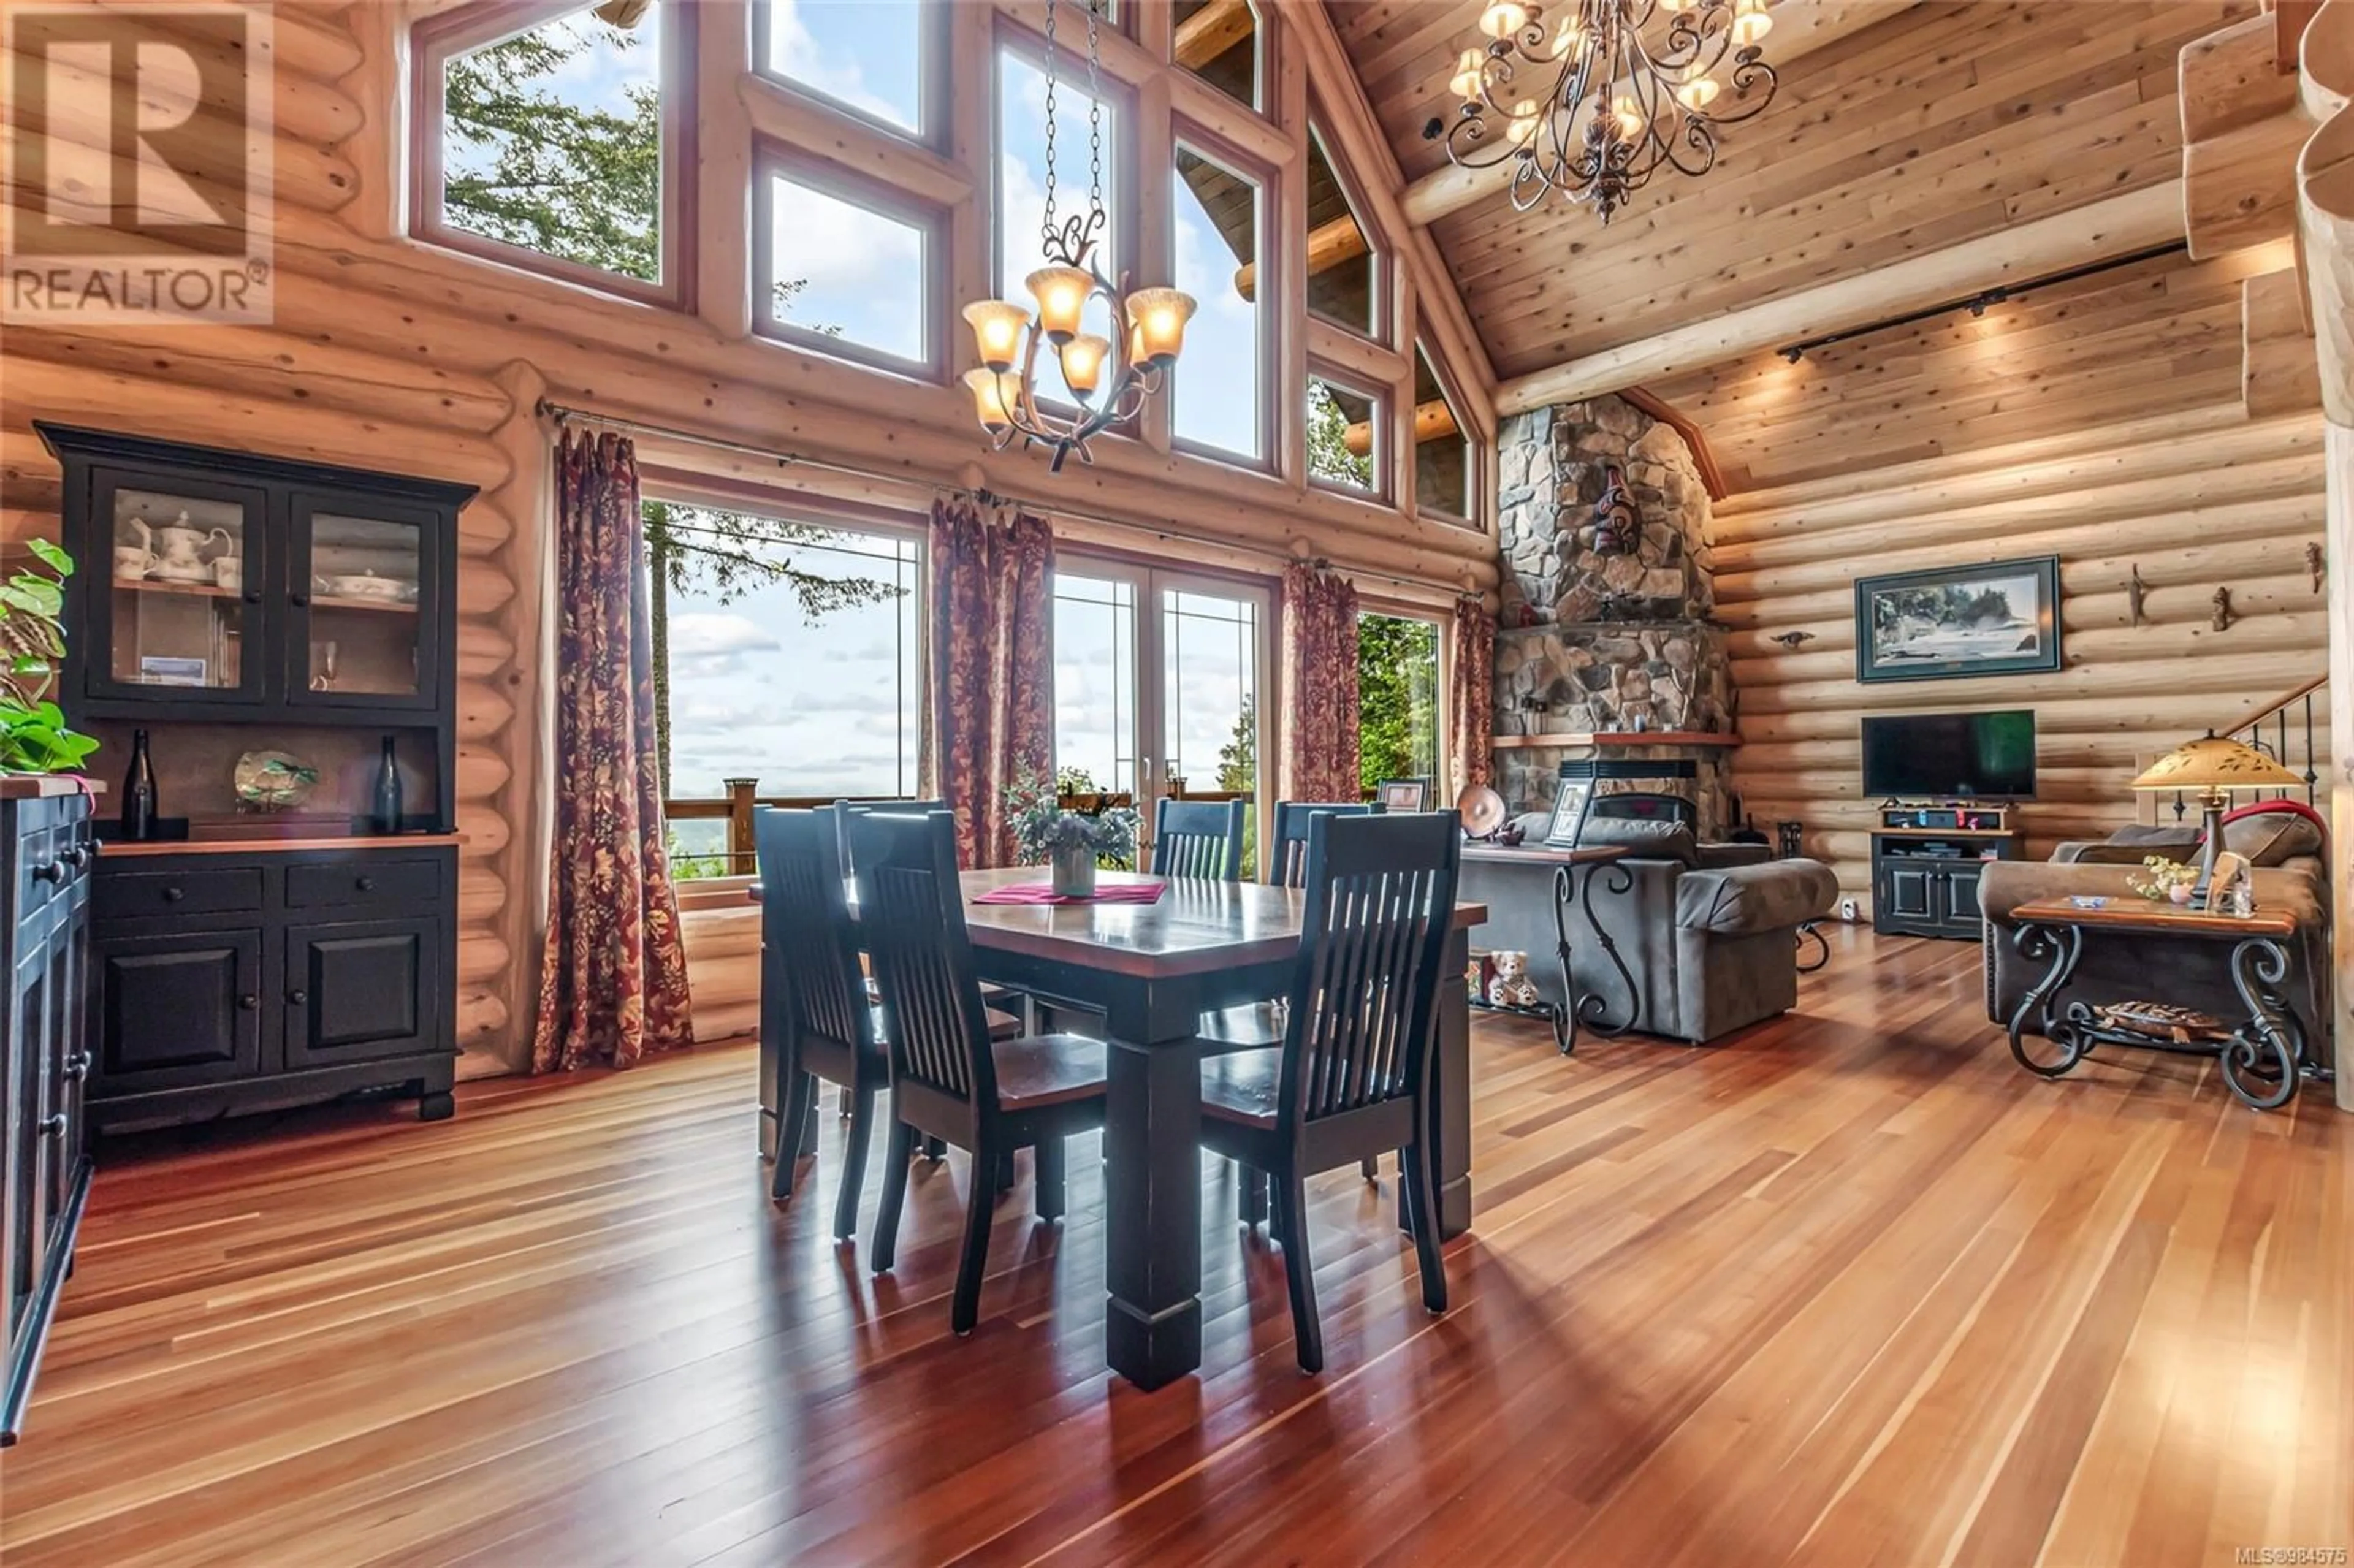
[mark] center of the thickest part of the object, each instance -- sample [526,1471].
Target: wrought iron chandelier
[1110,375]
[1630,93]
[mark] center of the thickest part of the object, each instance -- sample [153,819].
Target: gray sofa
[2290,875]
[1708,931]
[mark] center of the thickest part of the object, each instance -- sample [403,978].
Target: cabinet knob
[77,856]
[173,895]
[298,599]
[367,884]
[77,1067]
[55,871]
[54,1124]
[297,998]
[249,1001]
[253,596]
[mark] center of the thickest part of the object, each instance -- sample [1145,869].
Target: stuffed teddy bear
[1511,986]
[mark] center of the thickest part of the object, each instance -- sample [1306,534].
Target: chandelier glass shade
[1598,96]
[1108,373]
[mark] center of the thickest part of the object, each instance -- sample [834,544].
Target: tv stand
[1924,865]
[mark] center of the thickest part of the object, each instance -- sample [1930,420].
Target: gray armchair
[1708,932]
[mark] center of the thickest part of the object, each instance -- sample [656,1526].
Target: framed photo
[1569,811]
[158,670]
[1406,795]
[1998,618]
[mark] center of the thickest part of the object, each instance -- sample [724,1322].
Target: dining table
[1150,972]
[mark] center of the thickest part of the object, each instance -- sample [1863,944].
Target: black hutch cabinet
[236,608]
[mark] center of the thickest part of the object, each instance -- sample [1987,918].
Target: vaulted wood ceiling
[1934,124]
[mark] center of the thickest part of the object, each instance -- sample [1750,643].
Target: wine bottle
[387,790]
[139,792]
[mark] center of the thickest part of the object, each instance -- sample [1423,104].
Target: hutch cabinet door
[176,1011]
[363,596]
[66,1062]
[1911,893]
[361,988]
[174,571]
[31,1142]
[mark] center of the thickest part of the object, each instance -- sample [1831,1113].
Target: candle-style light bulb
[1750,22]
[1504,19]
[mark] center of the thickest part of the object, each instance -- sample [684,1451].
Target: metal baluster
[2311,777]
[2280,752]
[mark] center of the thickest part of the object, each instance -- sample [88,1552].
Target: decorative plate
[367,585]
[274,780]
[1483,810]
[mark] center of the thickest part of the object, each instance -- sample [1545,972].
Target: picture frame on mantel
[1991,617]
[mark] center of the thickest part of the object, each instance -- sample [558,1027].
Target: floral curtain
[1319,685]
[613,984]
[990,720]
[1474,636]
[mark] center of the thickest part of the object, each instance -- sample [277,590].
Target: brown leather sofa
[2291,876]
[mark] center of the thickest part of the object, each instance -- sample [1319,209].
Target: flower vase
[2180,892]
[1075,871]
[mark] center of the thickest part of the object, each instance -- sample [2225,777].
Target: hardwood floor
[1851,1289]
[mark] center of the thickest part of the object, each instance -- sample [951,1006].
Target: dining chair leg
[1370,1165]
[853,1162]
[895,1194]
[1299,1274]
[841,1105]
[1050,1156]
[809,1124]
[800,1092]
[1415,1170]
[1005,1171]
[936,1150]
[1251,1199]
[964,1310]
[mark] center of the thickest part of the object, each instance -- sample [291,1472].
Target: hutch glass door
[362,583]
[185,582]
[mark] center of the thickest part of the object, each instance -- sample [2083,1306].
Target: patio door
[1158,679]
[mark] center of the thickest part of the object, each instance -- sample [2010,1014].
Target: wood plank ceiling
[1941,122]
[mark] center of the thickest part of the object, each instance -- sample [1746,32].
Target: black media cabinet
[1924,866]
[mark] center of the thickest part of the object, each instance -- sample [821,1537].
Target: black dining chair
[1199,839]
[1352,1077]
[816,1018]
[948,1079]
[1289,864]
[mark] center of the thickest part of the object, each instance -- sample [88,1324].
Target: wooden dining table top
[1196,925]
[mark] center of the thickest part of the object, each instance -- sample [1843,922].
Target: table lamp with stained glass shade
[2211,768]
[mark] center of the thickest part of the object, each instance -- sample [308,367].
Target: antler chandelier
[1627,97]
[1109,376]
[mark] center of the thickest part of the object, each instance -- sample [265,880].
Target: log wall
[388,354]
[2103,425]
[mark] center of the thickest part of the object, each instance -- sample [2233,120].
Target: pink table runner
[1044,893]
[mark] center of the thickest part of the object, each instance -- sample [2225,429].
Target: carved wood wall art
[2136,591]
[2224,615]
[2317,563]
[1792,638]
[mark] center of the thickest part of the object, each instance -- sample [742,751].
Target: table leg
[2064,945]
[1591,1008]
[1451,1081]
[772,1093]
[1153,1192]
[2260,1062]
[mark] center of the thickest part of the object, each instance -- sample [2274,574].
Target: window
[1021,185]
[1442,452]
[846,269]
[1343,279]
[873,57]
[1397,694]
[1217,40]
[1095,682]
[1216,391]
[549,147]
[1347,434]
[790,653]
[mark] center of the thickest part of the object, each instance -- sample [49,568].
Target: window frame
[1383,487]
[1261,61]
[1382,285]
[934,113]
[1472,471]
[1274,263]
[434,41]
[773,160]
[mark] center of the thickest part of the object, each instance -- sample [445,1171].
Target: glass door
[363,590]
[1157,688]
[184,583]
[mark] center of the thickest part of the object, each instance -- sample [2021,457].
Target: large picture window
[1397,693]
[1343,274]
[1218,390]
[846,268]
[554,145]
[875,58]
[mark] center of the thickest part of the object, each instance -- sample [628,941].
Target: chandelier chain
[1046,229]
[1095,111]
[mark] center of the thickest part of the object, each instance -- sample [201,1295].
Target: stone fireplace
[1596,646]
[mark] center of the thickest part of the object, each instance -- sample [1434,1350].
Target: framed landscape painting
[2000,618]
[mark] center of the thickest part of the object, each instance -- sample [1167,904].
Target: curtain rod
[562,414]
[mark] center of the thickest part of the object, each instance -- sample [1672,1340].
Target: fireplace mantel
[1572,739]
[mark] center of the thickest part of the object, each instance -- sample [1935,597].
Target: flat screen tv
[1950,756]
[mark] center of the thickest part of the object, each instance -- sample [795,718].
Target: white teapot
[178,549]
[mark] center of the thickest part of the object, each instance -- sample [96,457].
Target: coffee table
[2261,1057]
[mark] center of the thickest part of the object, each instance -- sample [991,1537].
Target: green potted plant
[1070,842]
[33,738]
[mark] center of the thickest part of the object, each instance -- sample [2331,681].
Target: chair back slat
[911,913]
[841,811]
[808,945]
[1198,839]
[1287,867]
[1381,897]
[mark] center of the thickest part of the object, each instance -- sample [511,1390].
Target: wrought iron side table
[2261,1057]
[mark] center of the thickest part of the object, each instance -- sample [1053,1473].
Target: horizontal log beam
[1211,31]
[1431,421]
[1329,245]
[2114,226]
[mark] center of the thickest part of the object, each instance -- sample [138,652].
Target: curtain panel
[1473,635]
[990,719]
[613,981]
[1319,685]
